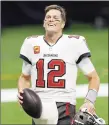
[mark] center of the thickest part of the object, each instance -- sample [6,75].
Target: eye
[47,17]
[55,17]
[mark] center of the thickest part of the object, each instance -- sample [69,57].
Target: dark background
[32,12]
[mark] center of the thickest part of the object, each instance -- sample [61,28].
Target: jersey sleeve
[82,50]
[86,66]
[25,51]
[26,68]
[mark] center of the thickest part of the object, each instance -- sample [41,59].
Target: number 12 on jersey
[51,83]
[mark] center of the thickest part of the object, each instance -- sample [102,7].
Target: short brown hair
[57,7]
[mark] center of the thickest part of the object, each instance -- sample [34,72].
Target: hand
[89,106]
[20,98]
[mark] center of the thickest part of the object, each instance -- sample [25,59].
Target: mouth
[51,25]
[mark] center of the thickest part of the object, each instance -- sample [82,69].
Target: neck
[52,37]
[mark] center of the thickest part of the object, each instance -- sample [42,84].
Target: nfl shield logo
[36,49]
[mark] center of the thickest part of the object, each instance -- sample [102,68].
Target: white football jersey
[54,67]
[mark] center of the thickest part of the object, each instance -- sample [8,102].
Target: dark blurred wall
[32,12]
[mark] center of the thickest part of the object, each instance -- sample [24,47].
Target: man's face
[53,21]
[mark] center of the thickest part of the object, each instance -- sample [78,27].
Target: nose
[51,19]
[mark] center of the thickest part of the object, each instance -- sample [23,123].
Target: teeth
[50,24]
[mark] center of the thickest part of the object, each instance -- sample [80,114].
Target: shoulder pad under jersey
[33,36]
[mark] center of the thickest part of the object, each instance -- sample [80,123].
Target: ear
[44,23]
[63,24]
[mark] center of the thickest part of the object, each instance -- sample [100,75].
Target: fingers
[91,110]
[89,106]
[20,102]
[20,98]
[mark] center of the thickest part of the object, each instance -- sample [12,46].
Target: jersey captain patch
[36,49]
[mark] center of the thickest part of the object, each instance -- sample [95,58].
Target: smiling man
[50,64]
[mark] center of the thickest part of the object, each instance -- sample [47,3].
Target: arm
[94,82]
[93,88]
[23,82]
[24,79]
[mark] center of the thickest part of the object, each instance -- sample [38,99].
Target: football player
[51,62]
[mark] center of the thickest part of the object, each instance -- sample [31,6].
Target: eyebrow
[53,16]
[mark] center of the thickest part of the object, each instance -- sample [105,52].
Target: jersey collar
[54,43]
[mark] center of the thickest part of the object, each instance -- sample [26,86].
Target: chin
[51,30]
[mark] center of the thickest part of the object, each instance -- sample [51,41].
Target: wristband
[91,95]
